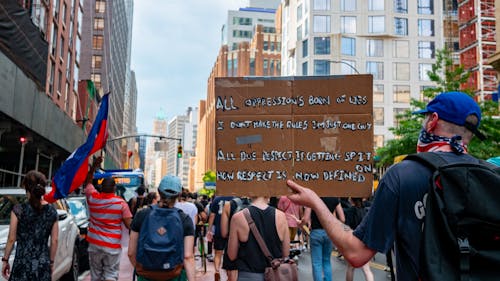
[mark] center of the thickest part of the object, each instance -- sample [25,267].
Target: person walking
[243,247]
[170,189]
[107,212]
[450,120]
[137,202]
[321,246]
[31,224]
[353,217]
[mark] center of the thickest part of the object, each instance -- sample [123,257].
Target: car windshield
[7,202]
[77,208]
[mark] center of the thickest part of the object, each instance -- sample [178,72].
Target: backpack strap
[429,159]
[257,236]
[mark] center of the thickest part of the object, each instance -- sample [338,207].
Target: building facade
[156,152]
[395,41]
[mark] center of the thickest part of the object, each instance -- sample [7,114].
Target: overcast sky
[174,47]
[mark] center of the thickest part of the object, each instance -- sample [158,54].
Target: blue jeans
[321,252]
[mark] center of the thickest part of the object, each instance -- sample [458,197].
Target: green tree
[447,77]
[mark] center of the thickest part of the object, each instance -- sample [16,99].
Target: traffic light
[179,151]
[23,140]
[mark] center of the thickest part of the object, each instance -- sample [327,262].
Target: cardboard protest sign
[317,131]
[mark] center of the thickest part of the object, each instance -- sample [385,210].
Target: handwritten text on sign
[318,132]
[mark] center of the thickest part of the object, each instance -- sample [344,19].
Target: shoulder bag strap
[430,159]
[257,235]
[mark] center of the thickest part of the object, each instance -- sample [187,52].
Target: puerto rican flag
[73,171]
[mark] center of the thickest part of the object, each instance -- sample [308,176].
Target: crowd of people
[165,222]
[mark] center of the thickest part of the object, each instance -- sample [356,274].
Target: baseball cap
[454,107]
[170,186]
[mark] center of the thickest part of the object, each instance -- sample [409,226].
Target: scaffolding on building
[477,43]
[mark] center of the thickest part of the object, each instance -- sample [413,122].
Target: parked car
[79,208]
[66,261]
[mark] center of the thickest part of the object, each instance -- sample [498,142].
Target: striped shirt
[107,211]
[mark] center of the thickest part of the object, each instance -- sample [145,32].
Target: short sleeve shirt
[397,213]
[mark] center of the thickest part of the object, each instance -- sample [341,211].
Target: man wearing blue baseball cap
[162,238]
[397,213]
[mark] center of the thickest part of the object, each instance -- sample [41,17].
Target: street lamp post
[346,63]
[23,141]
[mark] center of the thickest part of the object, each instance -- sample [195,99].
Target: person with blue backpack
[441,216]
[162,238]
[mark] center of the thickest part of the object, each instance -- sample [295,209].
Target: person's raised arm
[90,175]
[353,249]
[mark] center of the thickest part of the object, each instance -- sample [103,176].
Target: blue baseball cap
[170,186]
[454,107]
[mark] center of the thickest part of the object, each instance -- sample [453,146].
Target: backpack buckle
[463,245]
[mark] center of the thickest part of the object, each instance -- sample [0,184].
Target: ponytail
[34,182]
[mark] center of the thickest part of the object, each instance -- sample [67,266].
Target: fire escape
[477,43]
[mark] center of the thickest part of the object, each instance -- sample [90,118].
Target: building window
[242,33]
[242,21]
[265,45]
[51,78]
[299,33]
[54,39]
[97,42]
[321,67]
[56,8]
[401,71]
[425,27]
[397,112]
[61,49]
[376,5]
[299,12]
[378,141]
[376,24]
[375,48]
[425,7]
[378,93]
[426,49]
[305,48]
[304,68]
[306,27]
[278,68]
[268,29]
[230,68]
[348,25]
[96,78]
[423,68]
[321,45]
[401,49]
[348,46]
[376,69]
[98,23]
[401,6]
[235,67]
[59,84]
[378,116]
[401,93]
[266,67]
[321,24]
[100,6]
[68,66]
[271,68]
[348,5]
[96,61]
[401,26]
[321,5]
[252,66]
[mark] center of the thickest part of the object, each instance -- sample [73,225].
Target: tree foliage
[447,77]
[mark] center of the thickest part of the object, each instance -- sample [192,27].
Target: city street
[304,262]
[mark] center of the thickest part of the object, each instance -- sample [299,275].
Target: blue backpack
[160,249]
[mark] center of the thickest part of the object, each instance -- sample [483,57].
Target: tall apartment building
[105,60]
[59,21]
[176,128]
[186,165]
[156,153]
[477,43]
[259,55]
[494,60]
[395,41]
[36,132]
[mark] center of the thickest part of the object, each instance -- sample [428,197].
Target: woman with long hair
[31,224]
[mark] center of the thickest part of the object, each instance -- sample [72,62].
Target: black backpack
[461,233]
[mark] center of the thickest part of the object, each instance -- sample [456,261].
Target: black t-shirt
[331,203]
[187,222]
